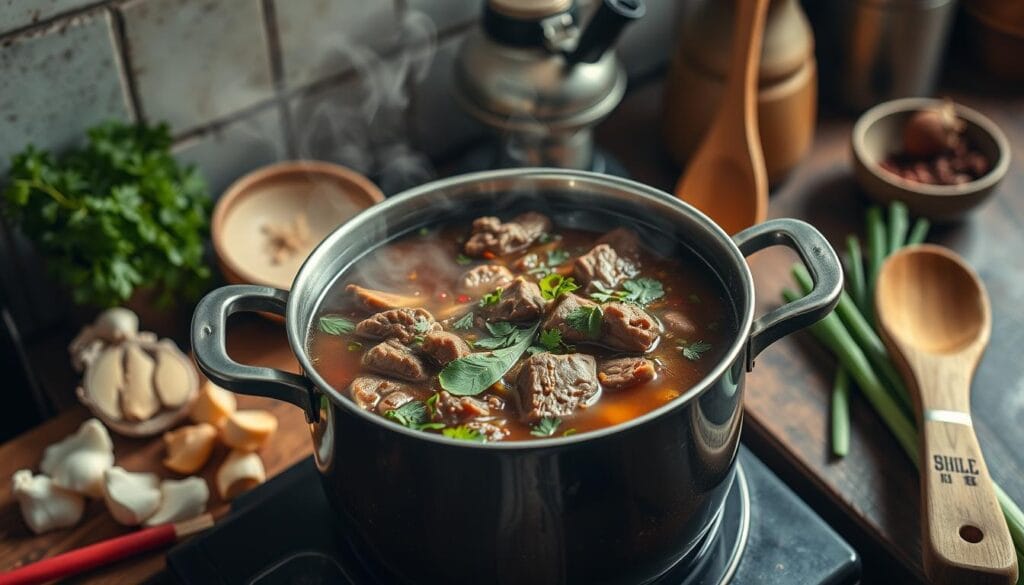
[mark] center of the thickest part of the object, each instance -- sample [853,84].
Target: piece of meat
[401,324]
[455,410]
[393,401]
[602,265]
[679,324]
[367,391]
[520,301]
[480,280]
[443,347]
[565,305]
[395,360]
[625,242]
[628,327]
[625,372]
[376,300]
[552,385]
[491,236]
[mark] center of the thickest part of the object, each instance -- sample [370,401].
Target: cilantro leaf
[464,322]
[421,326]
[545,427]
[551,339]
[586,320]
[464,433]
[409,414]
[694,351]
[491,298]
[335,325]
[641,291]
[471,375]
[553,286]
[604,294]
[557,257]
[463,260]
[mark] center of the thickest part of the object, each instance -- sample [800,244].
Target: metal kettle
[540,79]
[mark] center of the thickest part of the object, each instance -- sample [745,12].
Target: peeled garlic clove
[247,430]
[116,325]
[213,405]
[131,497]
[77,463]
[239,473]
[189,448]
[104,380]
[138,399]
[180,500]
[174,378]
[45,506]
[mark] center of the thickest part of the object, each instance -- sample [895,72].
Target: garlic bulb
[240,472]
[77,463]
[110,327]
[131,497]
[45,506]
[189,448]
[180,500]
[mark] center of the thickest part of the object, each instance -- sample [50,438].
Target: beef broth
[636,332]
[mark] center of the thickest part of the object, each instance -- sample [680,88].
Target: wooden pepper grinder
[787,80]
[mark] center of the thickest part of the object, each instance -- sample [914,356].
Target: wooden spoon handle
[965,540]
[740,94]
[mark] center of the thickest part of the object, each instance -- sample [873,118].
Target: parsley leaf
[336,325]
[553,286]
[464,322]
[464,433]
[491,298]
[471,375]
[542,268]
[694,351]
[463,260]
[551,339]
[545,427]
[421,326]
[603,294]
[586,320]
[641,291]
[414,415]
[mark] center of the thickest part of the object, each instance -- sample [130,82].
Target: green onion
[855,266]
[899,222]
[878,247]
[917,236]
[841,413]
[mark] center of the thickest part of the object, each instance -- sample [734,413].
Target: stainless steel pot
[618,505]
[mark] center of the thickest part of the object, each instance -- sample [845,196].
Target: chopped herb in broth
[518,329]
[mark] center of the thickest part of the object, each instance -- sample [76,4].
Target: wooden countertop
[871,495]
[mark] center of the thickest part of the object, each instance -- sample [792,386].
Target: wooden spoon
[935,318]
[726,178]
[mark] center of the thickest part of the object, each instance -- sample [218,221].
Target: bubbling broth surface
[571,387]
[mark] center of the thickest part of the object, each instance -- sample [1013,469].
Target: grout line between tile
[129,87]
[43,24]
[269,13]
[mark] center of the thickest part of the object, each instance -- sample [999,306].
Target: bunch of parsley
[114,216]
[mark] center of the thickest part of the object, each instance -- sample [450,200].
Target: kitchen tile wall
[247,82]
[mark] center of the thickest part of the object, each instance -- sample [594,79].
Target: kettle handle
[821,261]
[604,29]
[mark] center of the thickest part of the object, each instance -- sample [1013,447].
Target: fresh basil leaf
[471,375]
[336,325]
[586,320]
[501,328]
[694,351]
[464,322]
[545,427]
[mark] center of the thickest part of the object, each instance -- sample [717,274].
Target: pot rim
[297,337]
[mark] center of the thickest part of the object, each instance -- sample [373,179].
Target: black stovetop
[282,532]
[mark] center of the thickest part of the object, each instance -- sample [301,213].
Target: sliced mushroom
[131,497]
[44,505]
[77,463]
[104,380]
[240,472]
[189,448]
[213,405]
[175,377]
[181,499]
[138,399]
[247,430]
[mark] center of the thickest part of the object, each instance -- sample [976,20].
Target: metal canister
[890,48]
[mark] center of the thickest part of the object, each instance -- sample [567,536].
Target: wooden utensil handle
[965,538]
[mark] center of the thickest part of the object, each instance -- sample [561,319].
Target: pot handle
[209,328]
[821,261]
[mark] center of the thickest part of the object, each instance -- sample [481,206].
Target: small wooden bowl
[878,133]
[325,194]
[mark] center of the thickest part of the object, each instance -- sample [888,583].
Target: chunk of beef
[443,347]
[625,242]
[375,300]
[625,372]
[602,265]
[565,305]
[395,360]
[393,401]
[483,279]
[367,391]
[491,235]
[401,324]
[454,410]
[520,301]
[628,327]
[679,324]
[552,385]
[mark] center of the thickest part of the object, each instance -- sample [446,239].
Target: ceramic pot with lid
[623,504]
